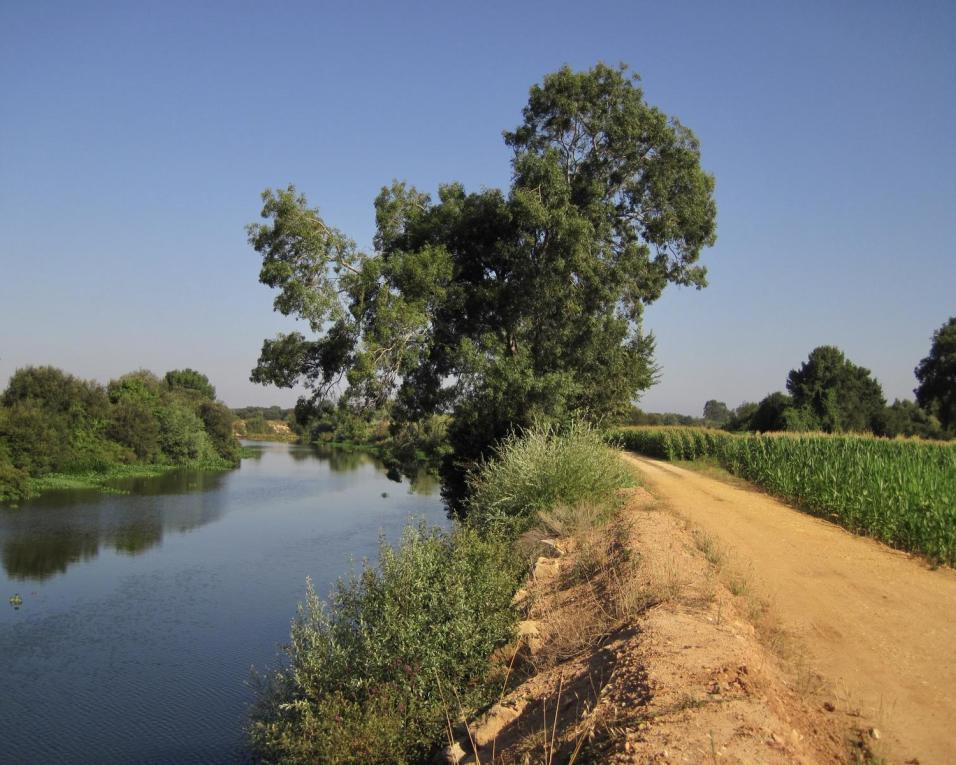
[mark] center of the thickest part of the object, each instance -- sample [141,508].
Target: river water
[144,613]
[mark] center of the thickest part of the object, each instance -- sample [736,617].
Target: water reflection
[341,460]
[132,637]
[42,540]
[48,534]
[40,557]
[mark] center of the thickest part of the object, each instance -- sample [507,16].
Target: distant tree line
[53,422]
[830,393]
[271,413]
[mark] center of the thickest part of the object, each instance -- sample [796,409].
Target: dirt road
[877,625]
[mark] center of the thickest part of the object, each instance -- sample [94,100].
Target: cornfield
[902,493]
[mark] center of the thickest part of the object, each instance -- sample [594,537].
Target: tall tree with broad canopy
[500,307]
[836,393]
[937,376]
[716,412]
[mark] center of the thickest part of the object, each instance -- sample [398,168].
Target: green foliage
[741,418]
[900,492]
[837,394]
[133,424]
[636,416]
[141,386]
[937,376]
[501,308]
[52,423]
[14,482]
[56,422]
[367,675]
[374,675]
[182,436]
[256,425]
[906,418]
[716,412]
[191,380]
[56,392]
[540,469]
[419,444]
[271,413]
[770,414]
[217,421]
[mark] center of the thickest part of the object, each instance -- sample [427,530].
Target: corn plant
[902,492]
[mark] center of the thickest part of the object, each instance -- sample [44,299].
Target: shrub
[182,436]
[55,391]
[134,424]
[217,420]
[14,483]
[367,675]
[540,469]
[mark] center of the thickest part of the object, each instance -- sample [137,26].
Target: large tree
[937,376]
[835,392]
[500,306]
[716,412]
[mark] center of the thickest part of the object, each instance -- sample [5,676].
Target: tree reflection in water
[48,534]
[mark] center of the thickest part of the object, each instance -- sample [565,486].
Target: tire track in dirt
[878,625]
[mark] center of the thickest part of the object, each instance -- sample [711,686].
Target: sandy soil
[651,658]
[879,626]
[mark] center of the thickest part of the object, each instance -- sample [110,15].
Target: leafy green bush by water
[58,430]
[900,492]
[540,469]
[372,675]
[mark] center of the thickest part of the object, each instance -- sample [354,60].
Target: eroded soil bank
[876,627]
[643,644]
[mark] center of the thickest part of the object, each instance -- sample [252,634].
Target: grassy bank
[376,674]
[902,493]
[104,479]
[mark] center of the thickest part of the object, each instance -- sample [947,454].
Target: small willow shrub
[371,675]
[541,469]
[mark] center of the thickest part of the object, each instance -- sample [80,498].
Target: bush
[134,424]
[182,436]
[217,420]
[55,391]
[14,483]
[541,469]
[367,676]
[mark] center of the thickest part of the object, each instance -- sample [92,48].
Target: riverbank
[102,480]
[640,642]
[570,617]
[432,624]
[142,612]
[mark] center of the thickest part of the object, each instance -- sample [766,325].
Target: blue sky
[135,139]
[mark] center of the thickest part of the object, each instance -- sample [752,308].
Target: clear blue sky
[135,139]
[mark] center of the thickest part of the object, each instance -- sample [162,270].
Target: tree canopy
[716,412]
[498,306]
[937,376]
[836,393]
[190,379]
[51,421]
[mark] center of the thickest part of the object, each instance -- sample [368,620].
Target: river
[144,613]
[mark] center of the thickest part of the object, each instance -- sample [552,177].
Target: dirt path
[878,626]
